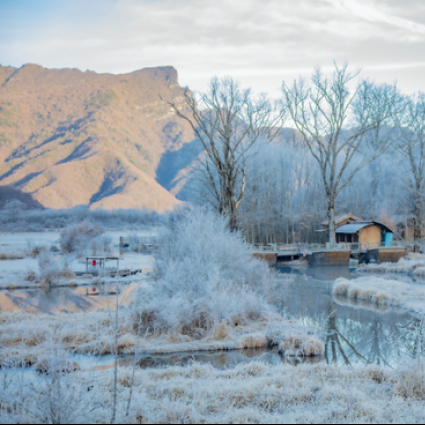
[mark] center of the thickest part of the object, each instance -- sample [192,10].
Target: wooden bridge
[339,254]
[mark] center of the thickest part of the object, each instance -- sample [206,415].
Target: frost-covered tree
[411,144]
[229,122]
[342,127]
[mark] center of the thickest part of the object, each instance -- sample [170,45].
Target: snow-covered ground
[18,242]
[13,272]
[382,292]
[251,393]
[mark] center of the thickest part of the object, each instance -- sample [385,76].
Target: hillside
[69,137]
[8,193]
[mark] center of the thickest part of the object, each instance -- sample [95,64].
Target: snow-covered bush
[205,275]
[50,269]
[78,238]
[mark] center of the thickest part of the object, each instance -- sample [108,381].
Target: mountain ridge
[69,137]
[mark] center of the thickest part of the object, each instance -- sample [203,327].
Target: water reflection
[353,332]
[219,360]
[63,300]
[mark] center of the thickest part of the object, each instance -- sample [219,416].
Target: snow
[19,242]
[252,393]
[379,291]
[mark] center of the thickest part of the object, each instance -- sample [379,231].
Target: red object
[93,289]
[94,263]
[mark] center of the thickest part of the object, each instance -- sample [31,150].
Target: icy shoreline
[382,292]
[25,340]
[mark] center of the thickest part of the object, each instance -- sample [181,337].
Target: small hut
[370,233]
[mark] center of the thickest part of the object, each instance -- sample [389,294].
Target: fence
[138,241]
[294,249]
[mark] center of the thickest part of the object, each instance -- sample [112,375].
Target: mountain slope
[69,137]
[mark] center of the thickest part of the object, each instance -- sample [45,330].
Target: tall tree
[229,122]
[343,129]
[412,147]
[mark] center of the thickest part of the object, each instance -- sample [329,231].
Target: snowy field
[19,242]
[14,271]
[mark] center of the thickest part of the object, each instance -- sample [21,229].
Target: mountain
[69,137]
[8,193]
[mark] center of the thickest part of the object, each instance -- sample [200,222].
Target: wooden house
[353,230]
[369,233]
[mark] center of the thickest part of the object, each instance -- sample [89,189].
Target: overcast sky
[259,42]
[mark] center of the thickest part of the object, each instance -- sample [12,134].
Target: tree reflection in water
[353,333]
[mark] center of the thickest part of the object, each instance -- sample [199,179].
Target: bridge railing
[292,249]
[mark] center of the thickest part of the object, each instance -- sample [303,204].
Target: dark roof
[352,228]
[341,218]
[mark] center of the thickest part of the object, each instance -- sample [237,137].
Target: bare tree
[229,122]
[412,147]
[344,130]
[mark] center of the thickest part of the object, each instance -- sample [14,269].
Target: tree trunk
[418,225]
[233,223]
[331,222]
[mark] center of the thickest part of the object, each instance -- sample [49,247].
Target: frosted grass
[382,292]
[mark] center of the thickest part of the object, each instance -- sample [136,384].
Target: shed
[372,233]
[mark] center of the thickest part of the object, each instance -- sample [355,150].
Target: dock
[111,273]
[327,255]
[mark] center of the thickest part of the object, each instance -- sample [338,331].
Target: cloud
[258,41]
[375,14]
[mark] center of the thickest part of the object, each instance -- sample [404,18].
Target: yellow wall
[371,235]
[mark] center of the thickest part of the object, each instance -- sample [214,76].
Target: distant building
[352,230]
[406,230]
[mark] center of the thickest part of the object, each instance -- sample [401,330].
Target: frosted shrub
[49,267]
[79,237]
[205,275]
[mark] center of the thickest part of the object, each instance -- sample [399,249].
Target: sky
[259,42]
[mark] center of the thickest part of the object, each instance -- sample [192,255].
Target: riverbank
[381,292]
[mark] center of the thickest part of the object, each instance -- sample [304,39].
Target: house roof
[352,228]
[341,218]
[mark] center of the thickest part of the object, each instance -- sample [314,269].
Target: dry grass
[46,366]
[302,347]
[31,277]
[91,333]
[260,393]
[4,256]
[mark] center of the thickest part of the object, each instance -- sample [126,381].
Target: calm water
[352,333]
